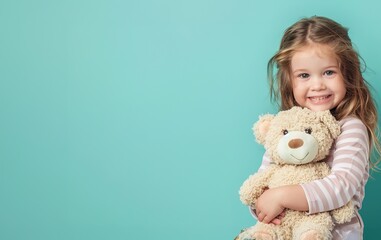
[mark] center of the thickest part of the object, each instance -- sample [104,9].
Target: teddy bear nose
[295,143]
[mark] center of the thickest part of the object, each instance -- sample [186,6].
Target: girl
[318,68]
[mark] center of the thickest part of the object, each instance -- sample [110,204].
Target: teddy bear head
[297,136]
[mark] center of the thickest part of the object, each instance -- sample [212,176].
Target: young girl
[318,68]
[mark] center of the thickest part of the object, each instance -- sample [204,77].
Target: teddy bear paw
[311,235]
[262,236]
[252,234]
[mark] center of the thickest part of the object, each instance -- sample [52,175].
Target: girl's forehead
[313,56]
[320,50]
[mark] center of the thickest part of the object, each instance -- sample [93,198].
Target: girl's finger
[261,216]
[266,220]
[276,221]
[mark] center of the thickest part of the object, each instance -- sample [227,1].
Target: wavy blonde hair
[358,100]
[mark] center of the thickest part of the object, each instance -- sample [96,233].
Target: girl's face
[317,82]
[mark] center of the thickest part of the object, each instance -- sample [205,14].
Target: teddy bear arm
[344,213]
[254,186]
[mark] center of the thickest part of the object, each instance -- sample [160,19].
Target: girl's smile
[320,99]
[316,78]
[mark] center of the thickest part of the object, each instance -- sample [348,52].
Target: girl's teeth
[319,98]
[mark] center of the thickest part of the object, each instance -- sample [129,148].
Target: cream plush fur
[296,140]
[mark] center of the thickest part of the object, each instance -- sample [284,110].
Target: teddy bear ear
[330,121]
[261,127]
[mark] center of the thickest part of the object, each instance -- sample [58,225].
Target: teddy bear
[296,140]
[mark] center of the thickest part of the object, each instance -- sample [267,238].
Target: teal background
[132,119]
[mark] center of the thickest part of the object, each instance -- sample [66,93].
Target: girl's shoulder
[351,126]
[352,121]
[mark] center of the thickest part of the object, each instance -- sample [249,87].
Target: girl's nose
[318,84]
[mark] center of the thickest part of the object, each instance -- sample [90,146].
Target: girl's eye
[304,75]
[284,131]
[308,130]
[329,72]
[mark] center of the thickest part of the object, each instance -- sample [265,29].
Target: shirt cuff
[311,199]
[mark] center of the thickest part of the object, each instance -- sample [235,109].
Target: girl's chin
[318,108]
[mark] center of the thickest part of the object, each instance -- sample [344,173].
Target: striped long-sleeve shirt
[349,162]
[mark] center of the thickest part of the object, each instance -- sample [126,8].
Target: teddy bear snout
[295,143]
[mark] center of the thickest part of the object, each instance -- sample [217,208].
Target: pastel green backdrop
[132,119]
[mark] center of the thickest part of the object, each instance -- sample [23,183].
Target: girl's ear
[331,122]
[261,127]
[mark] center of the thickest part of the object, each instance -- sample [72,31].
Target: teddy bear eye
[308,130]
[284,131]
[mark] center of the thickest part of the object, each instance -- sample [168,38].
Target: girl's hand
[278,219]
[275,221]
[269,206]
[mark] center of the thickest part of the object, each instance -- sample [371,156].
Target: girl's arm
[349,174]
[272,202]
